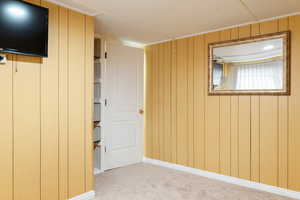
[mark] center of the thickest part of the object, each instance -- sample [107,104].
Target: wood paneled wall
[46,114]
[251,137]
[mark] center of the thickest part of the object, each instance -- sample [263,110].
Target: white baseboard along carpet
[156,180]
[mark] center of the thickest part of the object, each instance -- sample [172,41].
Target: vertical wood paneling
[174,101]
[234,124]
[234,136]
[244,137]
[283,142]
[255,125]
[155,90]
[269,27]
[149,104]
[199,104]
[255,30]
[63,103]
[251,137]
[182,102]
[27,99]
[161,103]
[27,129]
[269,127]
[167,101]
[255,139]
[244,124]
[244,31]
[283,129]
[268,140]
[89,103]
[49,111]
[6,131]
[212,116]
[190,101]
[225,118]
[37,162]
[76,104]
[27,155]
[294,108]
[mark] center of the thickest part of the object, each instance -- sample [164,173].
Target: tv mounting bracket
[3,59]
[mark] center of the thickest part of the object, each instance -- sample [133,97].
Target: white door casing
[124,91]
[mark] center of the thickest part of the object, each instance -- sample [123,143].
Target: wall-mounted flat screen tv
[23,28]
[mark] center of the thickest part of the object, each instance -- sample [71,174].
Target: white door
[123,124]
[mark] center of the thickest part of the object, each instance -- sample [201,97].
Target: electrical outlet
[3,59]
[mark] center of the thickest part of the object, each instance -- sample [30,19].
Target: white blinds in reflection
[267,75]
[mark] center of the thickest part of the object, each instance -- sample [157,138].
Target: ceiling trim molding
[71,7]
[223,28]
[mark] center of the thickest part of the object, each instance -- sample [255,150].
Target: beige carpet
[149,182]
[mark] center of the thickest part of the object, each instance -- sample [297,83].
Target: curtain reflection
[267,75]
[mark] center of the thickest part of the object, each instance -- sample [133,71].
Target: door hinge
[105,150]
[105,55]
[105,102]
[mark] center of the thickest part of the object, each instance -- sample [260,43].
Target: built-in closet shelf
[99,125]
[97,100]
[96,123]
[97,143]
[98,82]
[100,60]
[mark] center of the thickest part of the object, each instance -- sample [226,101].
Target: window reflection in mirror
[258,66]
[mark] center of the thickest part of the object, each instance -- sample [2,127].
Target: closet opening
[98,85]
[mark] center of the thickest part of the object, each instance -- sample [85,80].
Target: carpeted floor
[149,182]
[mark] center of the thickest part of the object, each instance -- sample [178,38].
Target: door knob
[141,111]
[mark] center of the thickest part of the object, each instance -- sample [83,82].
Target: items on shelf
[96,123]
[97,144]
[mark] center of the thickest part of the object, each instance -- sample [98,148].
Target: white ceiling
[251,51]
[148,21]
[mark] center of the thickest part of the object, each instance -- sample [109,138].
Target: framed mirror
[251,66]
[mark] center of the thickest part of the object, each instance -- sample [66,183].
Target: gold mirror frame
[286,35]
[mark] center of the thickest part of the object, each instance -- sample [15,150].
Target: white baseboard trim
[228,179]
[86,196]
[97,171]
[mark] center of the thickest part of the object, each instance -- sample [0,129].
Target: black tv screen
[23,28]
